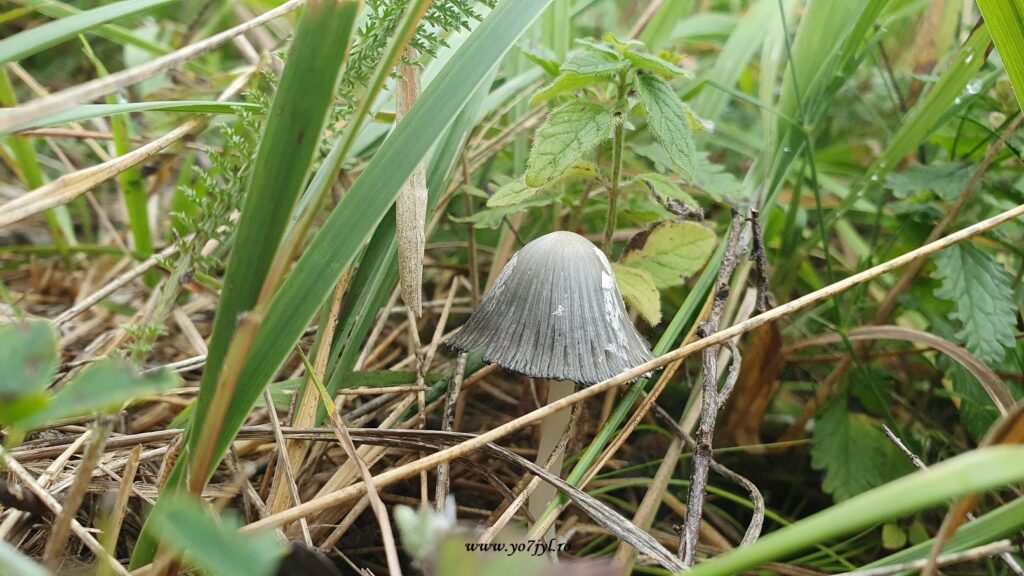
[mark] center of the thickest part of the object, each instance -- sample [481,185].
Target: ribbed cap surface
[555,312]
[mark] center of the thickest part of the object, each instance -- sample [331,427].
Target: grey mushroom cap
[555,312]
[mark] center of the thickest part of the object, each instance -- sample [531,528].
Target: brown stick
[458,450]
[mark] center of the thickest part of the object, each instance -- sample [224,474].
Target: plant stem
[613,192]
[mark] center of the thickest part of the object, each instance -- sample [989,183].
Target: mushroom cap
[555,312]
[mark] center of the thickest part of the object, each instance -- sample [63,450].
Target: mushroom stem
[551,430]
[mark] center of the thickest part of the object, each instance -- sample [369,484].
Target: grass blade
[975,471]
[1005,19]
[42,37]
[90,111]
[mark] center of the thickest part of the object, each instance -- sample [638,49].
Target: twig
[77,529]
[112,527]
[1005,555]
[452,398]
[379,510]
[891,301]
[556,454]
[714,398]
[397,473]
[760,263]
[76,494]
[283,464]
[1002,548]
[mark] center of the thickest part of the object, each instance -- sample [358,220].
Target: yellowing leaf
[663,187]
[668,120]
[670,251]
[638,290]
[570,132]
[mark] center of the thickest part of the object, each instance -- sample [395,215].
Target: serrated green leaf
[566,83]
[187,527]
[571,131]
[664,187]
[493,217]
[853,452]
[656,65]
[516,191]
[670,251]
[668,121]
[28,357]
[102,386]
[947,179]
[591,63]
[979,288]
[542,57]
[598,46]
[638,290]
[893,537]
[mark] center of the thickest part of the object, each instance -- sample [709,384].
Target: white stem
[551,429]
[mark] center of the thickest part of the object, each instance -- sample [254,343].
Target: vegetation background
[205,363]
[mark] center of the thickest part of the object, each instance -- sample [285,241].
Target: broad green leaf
[212,543]
[946,179]
[493,217]
[566,83]
[893,537]
[542,57]
[28,357]
[667,119]
[975,471]
[90,111]
[516,191]
[638,290]
[710,178]
[42,37]
[979,288]
[853,452]
[22,408]
[15,563]
[663,187]
[591,63]
[655,65]
[670,251]
[598,46]
[100,387]
[570,132]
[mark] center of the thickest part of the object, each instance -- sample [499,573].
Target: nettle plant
[600,94]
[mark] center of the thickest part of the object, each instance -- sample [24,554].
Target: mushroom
[555,312]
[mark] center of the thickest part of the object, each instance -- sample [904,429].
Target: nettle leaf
[516,191]
[28,357]
[591,63]
[670,251]
[493,217]
[667,119]
[980,290]
[655,64]
[663,187]
[541,56]
[598,46]
[99,387]
[571,131]
[566,83]
[214,543]
[948,180]
[852,450]
[638,290]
